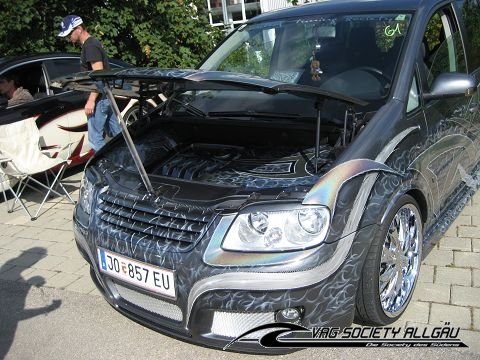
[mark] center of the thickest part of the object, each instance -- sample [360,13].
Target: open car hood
[135,82]
[146,82]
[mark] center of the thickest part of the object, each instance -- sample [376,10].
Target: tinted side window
[413,95]
[61,67]
[471,16]
[30,77]
[443,44]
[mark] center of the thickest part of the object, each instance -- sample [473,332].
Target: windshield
[354,55]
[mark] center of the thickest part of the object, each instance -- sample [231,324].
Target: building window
[230,13]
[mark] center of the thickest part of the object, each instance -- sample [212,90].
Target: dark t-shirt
[92,51]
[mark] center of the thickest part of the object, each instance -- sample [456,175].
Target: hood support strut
[318,106]
[317,139]
[128,140]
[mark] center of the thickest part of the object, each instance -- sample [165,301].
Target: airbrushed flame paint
[326,189]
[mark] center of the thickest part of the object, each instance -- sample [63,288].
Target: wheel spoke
[386,278]
[395,232]
[388,255]
[398,280]
[403,231]
[392,278]
[387,296]
[411,248]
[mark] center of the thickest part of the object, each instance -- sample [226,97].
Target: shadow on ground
[13,295]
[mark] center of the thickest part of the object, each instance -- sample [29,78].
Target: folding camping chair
[22,159]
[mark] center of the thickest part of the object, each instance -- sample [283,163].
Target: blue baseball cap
[69,23]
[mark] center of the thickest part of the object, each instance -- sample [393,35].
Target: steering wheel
[385,79]
[376,71]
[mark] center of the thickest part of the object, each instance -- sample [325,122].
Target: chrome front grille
[160,220]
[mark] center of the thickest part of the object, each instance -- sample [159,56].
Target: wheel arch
[417,195]
[421,201]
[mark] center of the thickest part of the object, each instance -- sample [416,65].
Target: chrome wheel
[400,260]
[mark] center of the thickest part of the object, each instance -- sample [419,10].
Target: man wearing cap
[101,118]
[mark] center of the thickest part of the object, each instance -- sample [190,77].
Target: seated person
[10,88]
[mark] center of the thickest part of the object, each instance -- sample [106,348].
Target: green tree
[142,32]
[471,14]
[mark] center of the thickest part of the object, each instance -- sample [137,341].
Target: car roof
[18,59]
[345,6]
[8,61]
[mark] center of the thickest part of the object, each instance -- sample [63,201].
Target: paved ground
[43,253]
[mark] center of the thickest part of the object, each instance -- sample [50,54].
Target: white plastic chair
[22,159]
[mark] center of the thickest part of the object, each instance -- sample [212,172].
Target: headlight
[86,194]
[278,230]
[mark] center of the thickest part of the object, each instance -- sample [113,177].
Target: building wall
[231,13]
[269,5]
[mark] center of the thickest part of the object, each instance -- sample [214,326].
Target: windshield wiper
[192,110]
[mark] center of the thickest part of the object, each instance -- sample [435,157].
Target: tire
[132,115]
[392,265]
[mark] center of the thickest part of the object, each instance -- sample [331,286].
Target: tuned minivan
[298,175]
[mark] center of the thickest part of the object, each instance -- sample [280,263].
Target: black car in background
[298,176]
[59,114]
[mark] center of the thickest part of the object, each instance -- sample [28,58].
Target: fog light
[290,315]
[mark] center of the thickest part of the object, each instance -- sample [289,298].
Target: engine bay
[243,154]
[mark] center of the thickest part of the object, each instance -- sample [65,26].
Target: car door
[451,135]
[70,121]
[53,111]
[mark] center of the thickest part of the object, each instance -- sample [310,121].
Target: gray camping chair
[22,159]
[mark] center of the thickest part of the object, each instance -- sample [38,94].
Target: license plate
[152,278]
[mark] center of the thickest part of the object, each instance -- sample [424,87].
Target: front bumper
[209,314]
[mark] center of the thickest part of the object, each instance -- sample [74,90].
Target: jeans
[103,122]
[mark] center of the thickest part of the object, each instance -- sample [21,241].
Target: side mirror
[448,85]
